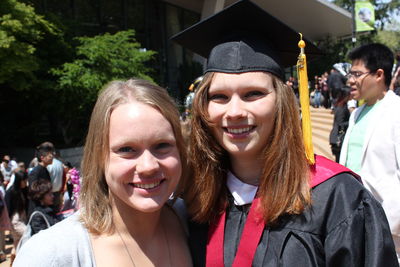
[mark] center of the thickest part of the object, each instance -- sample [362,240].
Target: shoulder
[179,208]
[56,246]
[336,200]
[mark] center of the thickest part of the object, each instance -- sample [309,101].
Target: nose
[147,164]
[236,108]
[351,79]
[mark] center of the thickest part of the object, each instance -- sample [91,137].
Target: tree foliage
[21,30]
[389,38]
[99,60]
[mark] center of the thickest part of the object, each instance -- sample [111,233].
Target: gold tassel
[305,102]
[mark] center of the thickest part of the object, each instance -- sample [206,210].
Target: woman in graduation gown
[254,199]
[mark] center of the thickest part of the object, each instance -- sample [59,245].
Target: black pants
[336,151]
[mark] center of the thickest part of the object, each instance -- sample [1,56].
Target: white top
[66,243]
[352,103]
[242,193]
[380,158]
[56,174]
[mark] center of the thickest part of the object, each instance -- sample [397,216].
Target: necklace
[130,256]
[126,247]
[166,240]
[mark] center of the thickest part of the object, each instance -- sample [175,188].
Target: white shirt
[242,193]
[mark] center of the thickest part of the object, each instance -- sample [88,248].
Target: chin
[148,205]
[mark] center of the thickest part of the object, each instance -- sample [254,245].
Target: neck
[381,94]
[141,226]
[248,169]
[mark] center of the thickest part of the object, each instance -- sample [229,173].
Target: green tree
[389,38]
[21,31]
[99,59]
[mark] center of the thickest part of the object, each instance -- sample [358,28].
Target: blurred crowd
[39,195]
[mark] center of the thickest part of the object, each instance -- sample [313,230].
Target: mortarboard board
[242,38]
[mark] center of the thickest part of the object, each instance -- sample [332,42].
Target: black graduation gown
[345,226]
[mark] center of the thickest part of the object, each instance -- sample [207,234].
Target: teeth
[147,186]
[238,130]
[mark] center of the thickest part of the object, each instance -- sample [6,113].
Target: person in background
[45,154]
[71,187]
[5,224]
[395,83]
[317,95]
[134,158]
[325,89]
[21,167]
[6,169]
[40,192]
[371,146]
[56,174]
[335,82]
[254,198]
[340,122]
[17,205]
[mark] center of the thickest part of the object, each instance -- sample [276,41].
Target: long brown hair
[284,185]
[96,212]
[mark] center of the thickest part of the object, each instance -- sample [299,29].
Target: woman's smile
[241,108]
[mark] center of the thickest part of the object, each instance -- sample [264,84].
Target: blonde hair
[96,212]
[284,185]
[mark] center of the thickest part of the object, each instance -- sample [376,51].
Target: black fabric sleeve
[38,223]
[363,239]
[9,203]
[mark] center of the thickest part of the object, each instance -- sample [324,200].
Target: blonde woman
[134,158]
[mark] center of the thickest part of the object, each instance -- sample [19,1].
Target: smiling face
[242,109]
[143,166]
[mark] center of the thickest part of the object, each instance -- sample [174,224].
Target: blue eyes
[125,149]
[161,148]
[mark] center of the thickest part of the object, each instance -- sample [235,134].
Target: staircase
[321,125]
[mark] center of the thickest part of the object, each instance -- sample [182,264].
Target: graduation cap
[242,38]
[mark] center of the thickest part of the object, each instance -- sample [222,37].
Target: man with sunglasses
[371,147]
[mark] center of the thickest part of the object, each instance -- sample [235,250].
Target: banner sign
[364,15]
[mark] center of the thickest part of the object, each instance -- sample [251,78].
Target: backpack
[28,231]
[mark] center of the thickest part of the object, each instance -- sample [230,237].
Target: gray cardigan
[67,243]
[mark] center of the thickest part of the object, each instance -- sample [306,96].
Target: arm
[363,239]
[38,223]
[393,81]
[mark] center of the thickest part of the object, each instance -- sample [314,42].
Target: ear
[380,75]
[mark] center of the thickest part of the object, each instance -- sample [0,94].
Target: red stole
[323,170]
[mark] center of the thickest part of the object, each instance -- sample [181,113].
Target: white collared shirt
[242,193]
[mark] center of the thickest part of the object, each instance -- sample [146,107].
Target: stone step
[316,114]
[318,121]
[321,126]
[321,149]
